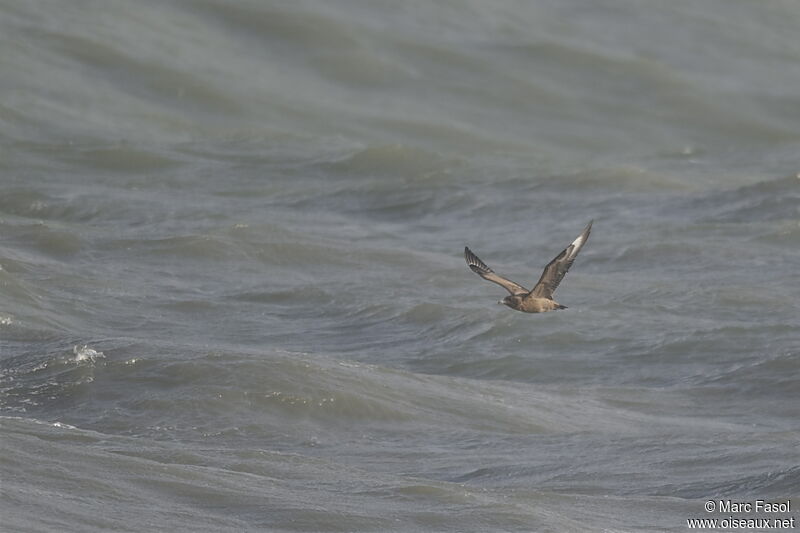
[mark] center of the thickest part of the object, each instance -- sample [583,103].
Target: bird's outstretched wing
[480,268]
[555,271]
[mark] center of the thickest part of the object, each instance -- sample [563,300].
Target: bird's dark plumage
[481,269]
[540,298]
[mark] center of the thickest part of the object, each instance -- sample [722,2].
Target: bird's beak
[499,301]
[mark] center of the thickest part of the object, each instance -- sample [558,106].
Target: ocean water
[232,290]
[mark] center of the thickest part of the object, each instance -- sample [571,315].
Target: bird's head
[511,301]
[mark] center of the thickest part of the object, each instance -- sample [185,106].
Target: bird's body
[531,304]
[540,298]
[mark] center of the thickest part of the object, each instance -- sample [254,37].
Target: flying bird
[540,298]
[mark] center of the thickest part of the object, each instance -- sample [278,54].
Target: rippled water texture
[232,290]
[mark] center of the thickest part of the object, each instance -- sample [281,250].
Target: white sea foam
[84,353]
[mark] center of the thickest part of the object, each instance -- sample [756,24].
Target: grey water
[232,290]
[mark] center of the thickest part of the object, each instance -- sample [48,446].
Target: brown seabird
[540,299]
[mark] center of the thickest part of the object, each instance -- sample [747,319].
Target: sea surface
[232,287]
